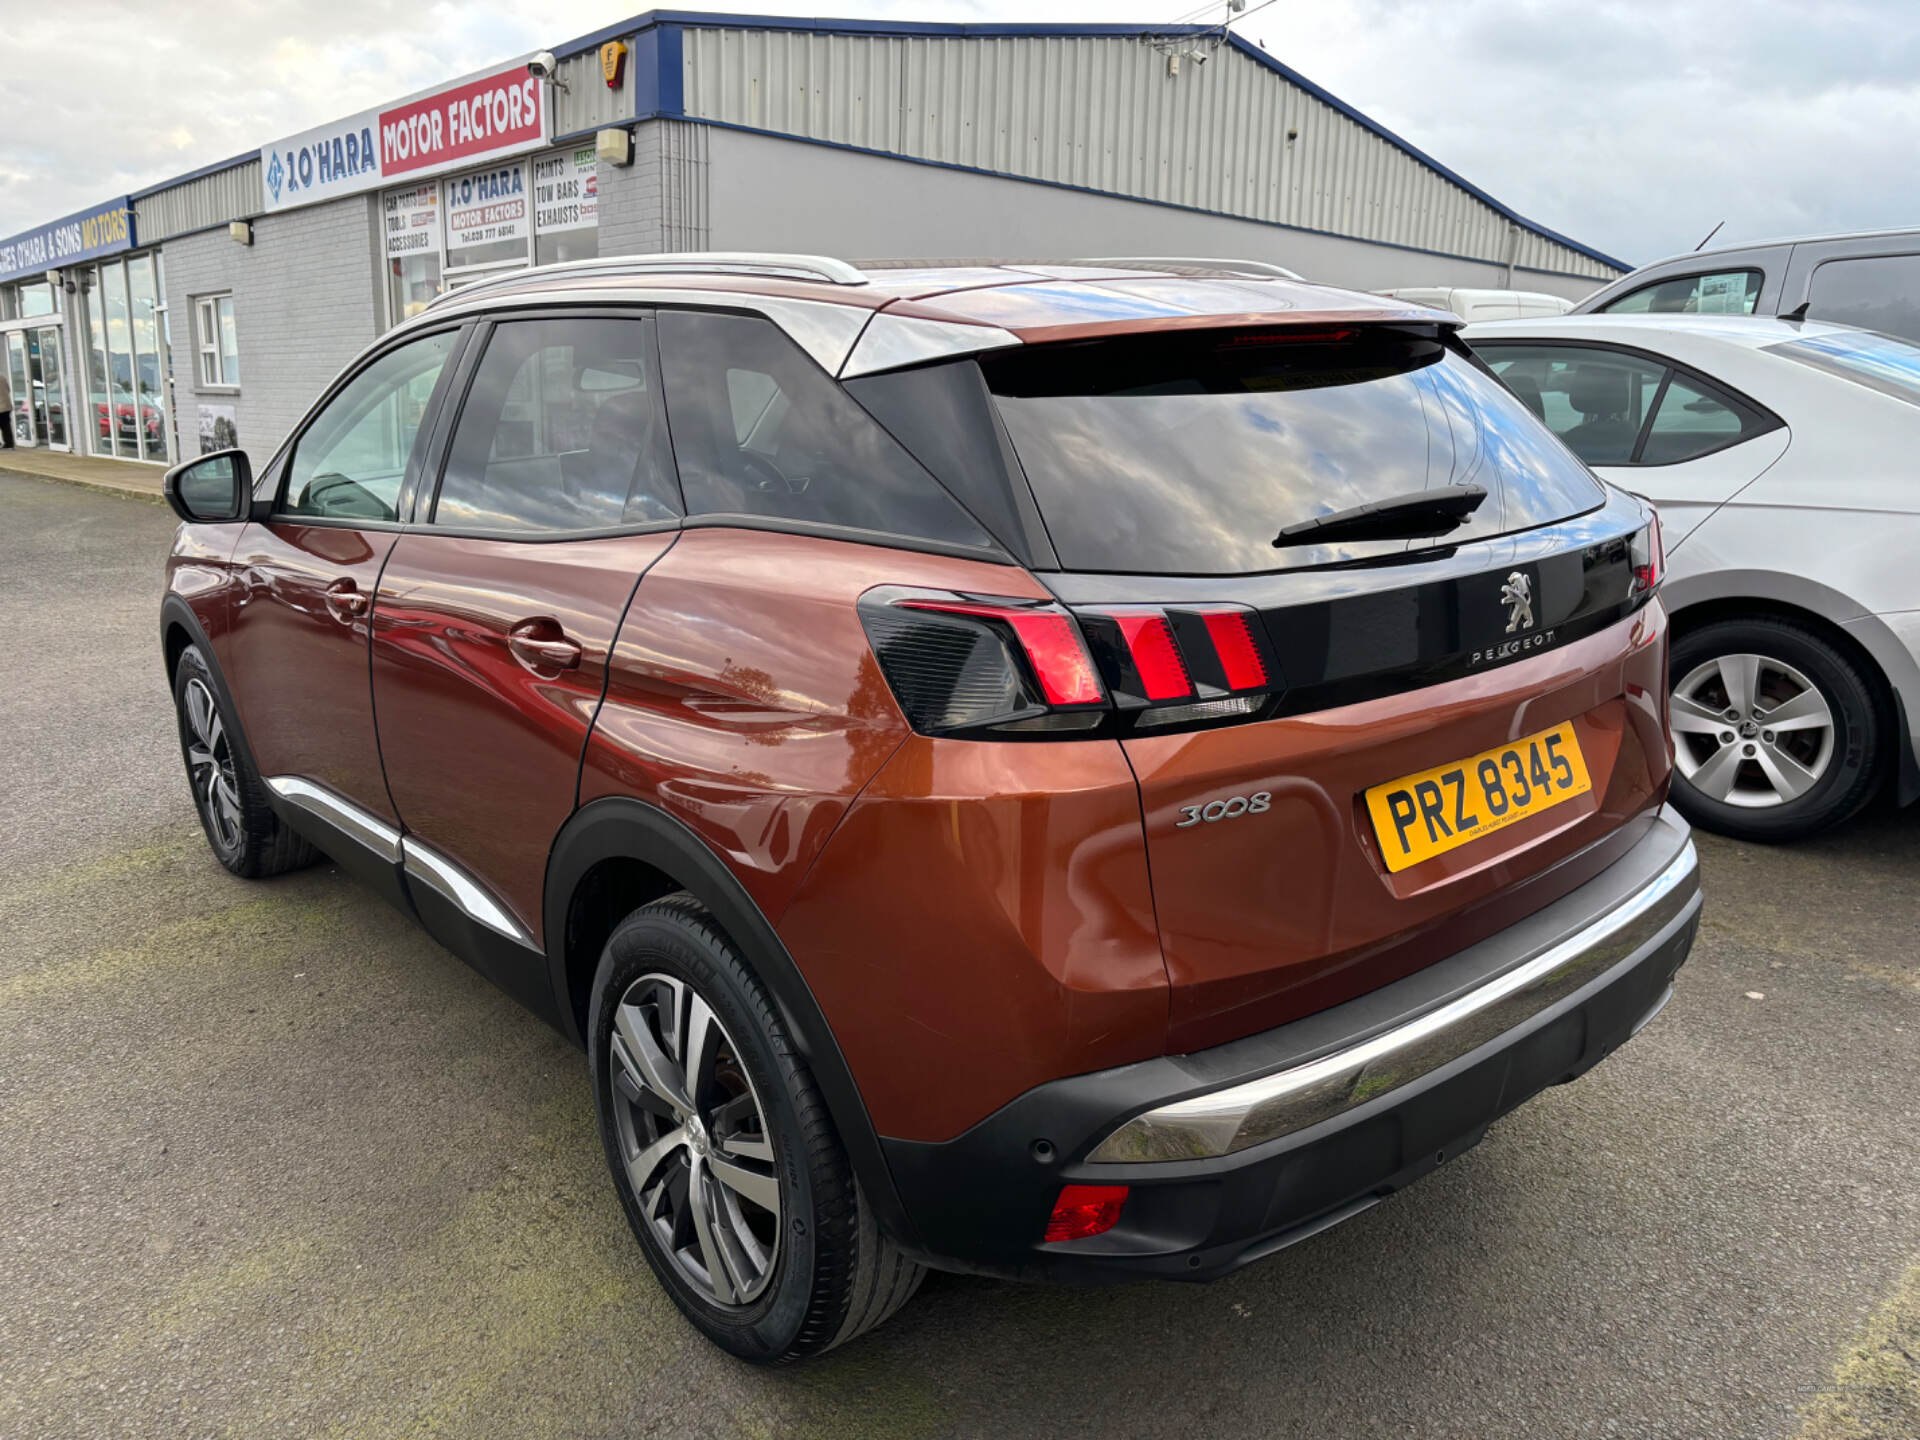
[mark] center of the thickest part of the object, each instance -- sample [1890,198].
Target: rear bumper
[1331,1113]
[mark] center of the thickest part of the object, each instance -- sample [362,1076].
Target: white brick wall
[304,303]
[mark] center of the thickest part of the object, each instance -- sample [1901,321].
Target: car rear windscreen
[1880,362]
[1186,453]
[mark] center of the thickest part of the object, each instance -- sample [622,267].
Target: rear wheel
[1776,732]
[723,1154]
[242,830]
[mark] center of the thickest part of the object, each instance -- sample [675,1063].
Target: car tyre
[1726,680]
[803,1266]
[241,828]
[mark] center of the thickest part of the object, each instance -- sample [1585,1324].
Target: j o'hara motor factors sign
[500,113]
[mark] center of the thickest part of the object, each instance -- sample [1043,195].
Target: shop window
[566,206]
[218,341]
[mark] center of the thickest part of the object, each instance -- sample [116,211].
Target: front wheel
[1776,731]
[242,830]
[723,1154]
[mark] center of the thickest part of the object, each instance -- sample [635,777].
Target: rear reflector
[1084,1210]
[1149,639]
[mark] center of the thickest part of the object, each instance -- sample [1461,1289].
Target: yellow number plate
[1420,816]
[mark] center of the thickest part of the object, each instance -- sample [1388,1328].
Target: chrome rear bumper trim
[1240,1116]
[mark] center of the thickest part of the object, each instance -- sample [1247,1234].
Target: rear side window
[560,431]
[1618,407]
[1723,292]
[1188,453]
[1595,400]
[759,429]
[1879,292]
[1689,422]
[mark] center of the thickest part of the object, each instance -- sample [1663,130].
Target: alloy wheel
[210,766]
[1751,731]
[694,1140]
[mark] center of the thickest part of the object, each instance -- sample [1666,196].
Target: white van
[1471,305]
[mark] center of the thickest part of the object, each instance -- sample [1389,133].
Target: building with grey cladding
[238,291]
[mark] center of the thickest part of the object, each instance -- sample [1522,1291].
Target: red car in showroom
[1063,772]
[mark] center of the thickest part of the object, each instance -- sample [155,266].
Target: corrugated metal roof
[1099,109]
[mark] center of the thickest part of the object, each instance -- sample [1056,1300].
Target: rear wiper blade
[1401,517]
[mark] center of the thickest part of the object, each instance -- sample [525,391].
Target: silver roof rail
[1262,268]
[692,262]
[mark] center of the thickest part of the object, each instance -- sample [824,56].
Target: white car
[1781,456]
[1471,305]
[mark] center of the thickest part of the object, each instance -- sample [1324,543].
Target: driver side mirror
[212,488]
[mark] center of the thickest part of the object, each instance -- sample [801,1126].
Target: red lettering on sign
[491,115]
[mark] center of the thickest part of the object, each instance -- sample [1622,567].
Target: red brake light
[1285,337]
[1084,1210]
[1051,641]
[1649,554]
[1163,675]
[1233,640]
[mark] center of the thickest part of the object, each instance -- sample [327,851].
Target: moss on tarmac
[274,1164]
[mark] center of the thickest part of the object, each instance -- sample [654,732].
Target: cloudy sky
[1631,125]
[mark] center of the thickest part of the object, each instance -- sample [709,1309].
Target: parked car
[1779,455]
[1870,279]
[1086,777]
[1471,305]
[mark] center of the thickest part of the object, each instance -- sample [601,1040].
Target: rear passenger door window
[1595,400]
[562,430]
[1722,292]
[1875,292]
[760,430]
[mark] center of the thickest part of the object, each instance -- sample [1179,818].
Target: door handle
[540,644]
[345,600]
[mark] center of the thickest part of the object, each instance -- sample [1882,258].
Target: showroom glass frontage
[441,234]
[31,326]
[129,370]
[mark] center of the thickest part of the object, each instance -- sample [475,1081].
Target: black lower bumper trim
[980,1201]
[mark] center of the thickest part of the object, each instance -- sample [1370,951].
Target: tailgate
[1280,890]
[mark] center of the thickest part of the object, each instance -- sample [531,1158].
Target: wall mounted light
[613,147]
[240,232]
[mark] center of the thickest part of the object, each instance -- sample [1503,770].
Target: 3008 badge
[1255,804]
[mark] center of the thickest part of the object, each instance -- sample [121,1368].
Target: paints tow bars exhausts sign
[501,112]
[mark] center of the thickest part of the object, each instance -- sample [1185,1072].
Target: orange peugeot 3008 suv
[1062,772]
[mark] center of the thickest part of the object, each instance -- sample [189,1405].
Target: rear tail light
[1084,1210]
[992,667]
[1649,555]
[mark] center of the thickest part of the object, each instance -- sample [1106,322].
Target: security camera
[542,65]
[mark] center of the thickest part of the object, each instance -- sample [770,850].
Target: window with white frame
[219,347]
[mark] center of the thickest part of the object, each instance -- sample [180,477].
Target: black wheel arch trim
[174,611]
[624,828]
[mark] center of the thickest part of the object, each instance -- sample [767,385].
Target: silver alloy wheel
[210,766]
[1751,731]
[694,1140]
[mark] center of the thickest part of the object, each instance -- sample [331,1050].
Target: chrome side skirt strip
[1224,1121]
[370,830]
[435,871]
[421,863]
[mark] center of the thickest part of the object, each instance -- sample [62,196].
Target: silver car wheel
[694,1140]
[1751,731]
[210,766]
